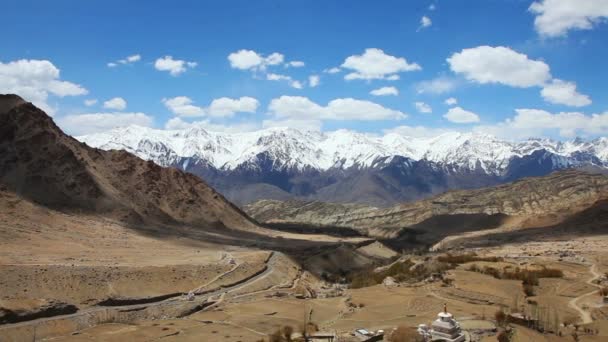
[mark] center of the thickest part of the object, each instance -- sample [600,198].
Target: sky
[509,68]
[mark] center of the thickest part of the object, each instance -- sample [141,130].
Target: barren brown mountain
[529,202]
[39,162]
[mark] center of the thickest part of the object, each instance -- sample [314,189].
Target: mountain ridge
[345,166]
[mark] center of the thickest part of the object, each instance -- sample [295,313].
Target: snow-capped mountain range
[293,148]
[282,157]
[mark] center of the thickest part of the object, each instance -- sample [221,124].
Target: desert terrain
[101,245]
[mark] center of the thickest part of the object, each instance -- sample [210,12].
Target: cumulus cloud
[116,103]
[302,108]
[333,70]
[439,85]
[556,17]
[306,125]
[536,122]
[295,64]
[375,64]
[459,115]
[251,60]
[175,67]
[487,64]
[425,22]
[222,107]
[82,124]
[562,92]
[227,107]
[90,102]
[126,60]
[179,124]
[314,80]
[278,77]
[418,131]
[385,91]
[35,80]
[183,106]
[502,65]
[450,101]
[423,107]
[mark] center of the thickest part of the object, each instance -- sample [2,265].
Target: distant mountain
[40,163]
[346,166]
[533,201]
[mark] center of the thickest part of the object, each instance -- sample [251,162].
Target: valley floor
[69,277]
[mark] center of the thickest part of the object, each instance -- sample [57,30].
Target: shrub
[529,290]
[405,334]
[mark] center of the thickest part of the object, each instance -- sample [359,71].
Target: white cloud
[179,124]
[251,60]
[425,22]
[306,125]
[556,17]
[333,70]
[296,84]
[439,85]
[375,64]
[182,105]
[487,64]
[278,77]
[100,122]
[126,60]
[418,131]
[423,107]
[536,122]
[117,103]
[302,108]
[562,92]
[222,107]
[459,115]
[385,91]
[173,66]
[295,64]
[314,80]
[90,102]
[450,101]
[227,107]
[35,80]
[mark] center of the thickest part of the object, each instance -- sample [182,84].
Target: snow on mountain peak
[293,148]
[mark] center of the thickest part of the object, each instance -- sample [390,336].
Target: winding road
[221,290]
[584,314]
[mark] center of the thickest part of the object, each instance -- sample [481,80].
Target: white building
[444,328]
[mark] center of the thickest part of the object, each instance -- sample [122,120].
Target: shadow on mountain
[590,222]
[436,228]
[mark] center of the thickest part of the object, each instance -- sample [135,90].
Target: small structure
[444,328]
[369,336]
[321,336]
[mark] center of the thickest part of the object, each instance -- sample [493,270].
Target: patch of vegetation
[400,271]
[465,258]
[527,276]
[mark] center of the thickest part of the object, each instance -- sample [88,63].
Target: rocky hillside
[345,166]
[557,195]
[42,164]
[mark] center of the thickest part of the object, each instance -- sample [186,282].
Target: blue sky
[494,57]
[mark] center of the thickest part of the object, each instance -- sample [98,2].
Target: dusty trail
[174,301]
[584,314]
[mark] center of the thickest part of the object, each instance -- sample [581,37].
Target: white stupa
[444,328]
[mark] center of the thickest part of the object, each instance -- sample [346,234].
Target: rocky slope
[42,164]
[345,166]
[557,195]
